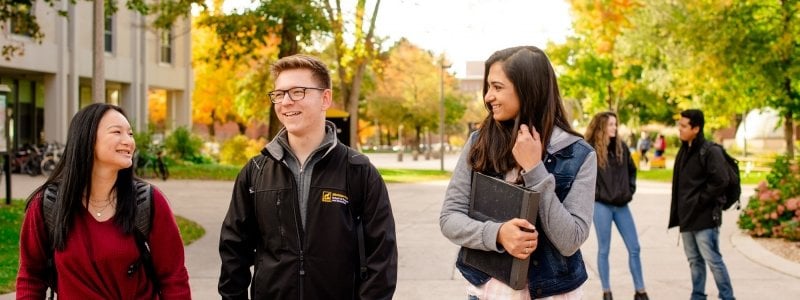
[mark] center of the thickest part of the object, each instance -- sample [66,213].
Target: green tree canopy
[408,91]
[723,56]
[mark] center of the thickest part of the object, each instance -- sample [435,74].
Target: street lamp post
[400,143]
[5,146]
[441,119]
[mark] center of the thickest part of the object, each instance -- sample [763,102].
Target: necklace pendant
[98,214]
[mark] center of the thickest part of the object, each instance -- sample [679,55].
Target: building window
[165,55]
[108,35]
[22,19]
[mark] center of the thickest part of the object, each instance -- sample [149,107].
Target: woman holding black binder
[525,139]
[616,183]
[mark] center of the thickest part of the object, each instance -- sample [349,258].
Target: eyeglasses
[295,93]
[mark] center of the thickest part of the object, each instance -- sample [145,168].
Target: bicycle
[52,155]
[151,166]
[27,160]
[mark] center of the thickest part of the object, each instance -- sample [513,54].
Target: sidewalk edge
[745,244]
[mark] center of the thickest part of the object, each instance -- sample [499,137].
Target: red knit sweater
[95,262]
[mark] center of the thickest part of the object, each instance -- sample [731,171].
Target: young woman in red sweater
[93,245]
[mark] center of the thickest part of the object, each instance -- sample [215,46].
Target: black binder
[499,201]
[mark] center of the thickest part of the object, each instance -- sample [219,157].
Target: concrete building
[51,81]
[472,82]
[761,131]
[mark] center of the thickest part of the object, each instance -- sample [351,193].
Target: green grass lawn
[754,177]
[662,175]
[227,172]
[665,175]
[11,218]
[205,171]
[407,175]
[190,231]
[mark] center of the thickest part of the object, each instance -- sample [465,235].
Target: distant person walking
[616,183]
[660,145]
[698,186]
[644,146]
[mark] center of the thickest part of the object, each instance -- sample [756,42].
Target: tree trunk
[788,133]
[274,124]
[380,135]
[788,122]
[212,132]
[288,47]
[242,127]
[352,103]
[98,57]
[362,53]
[417,137]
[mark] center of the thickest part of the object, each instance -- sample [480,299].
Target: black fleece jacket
[616,183]
[262,230]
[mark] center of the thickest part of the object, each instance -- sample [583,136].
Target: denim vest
[549,273]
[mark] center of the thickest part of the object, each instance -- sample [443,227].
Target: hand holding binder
[518,237]
[493,199]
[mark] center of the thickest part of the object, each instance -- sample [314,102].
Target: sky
[471,30]
[466,30]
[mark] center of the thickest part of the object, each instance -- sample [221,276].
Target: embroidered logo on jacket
[334,197]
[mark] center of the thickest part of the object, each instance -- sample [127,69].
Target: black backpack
[734,189]
[144,221]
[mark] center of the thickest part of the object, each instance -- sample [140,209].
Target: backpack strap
[49,214]
[356,190]
[704,149]
[144,220]
[144,207]
[48,209]
[145,260]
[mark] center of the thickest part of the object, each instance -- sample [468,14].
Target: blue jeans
[702,247]
[603,215]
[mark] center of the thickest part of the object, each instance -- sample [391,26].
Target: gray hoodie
[567,224]
[280,149]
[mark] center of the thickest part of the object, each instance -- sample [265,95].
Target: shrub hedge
[774,210]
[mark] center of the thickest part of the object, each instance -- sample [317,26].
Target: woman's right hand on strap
[518,237]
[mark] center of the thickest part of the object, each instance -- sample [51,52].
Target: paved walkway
[426,258]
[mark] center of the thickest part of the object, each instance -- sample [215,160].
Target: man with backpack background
[700,183]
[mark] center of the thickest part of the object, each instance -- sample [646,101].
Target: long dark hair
[597,136]
[534,79]
[73,175]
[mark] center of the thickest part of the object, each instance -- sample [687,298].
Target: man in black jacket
[698,186]
[310,215]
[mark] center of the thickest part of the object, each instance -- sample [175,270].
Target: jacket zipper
[302,270]
[280,220]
